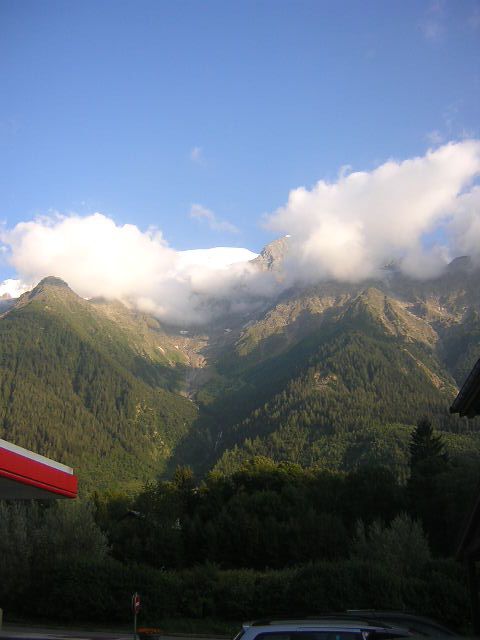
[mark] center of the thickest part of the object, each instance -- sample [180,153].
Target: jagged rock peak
[273,254]
[48,287]
[53,281]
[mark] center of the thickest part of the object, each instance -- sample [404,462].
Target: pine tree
[426,491]
[427,450]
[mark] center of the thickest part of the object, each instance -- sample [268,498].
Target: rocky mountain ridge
[320,373]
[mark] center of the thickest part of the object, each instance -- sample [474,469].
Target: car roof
[324,623]
[406,617]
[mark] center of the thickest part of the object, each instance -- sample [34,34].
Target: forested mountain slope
[332,375]
[74,386]
[337,374]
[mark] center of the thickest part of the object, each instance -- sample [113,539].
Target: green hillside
[344,392]
[332,376]
[73,387]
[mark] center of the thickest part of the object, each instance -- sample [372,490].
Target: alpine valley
[333,376]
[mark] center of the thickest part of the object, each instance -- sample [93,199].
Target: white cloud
[345,230]
[433,26]
[13,288]
[464,228]
[196,155]
[348,229]
[198,212]
[435,137]
[422,265]
[215,258]
[98,258]
[452,126]
[91,253]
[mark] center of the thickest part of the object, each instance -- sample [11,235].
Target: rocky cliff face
[272,256]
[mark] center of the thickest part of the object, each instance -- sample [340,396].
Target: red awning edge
[32,470]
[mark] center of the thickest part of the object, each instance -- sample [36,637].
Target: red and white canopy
[24,474]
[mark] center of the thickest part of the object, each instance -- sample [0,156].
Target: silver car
[310,629]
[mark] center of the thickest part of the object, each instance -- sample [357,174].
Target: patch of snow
[215,258]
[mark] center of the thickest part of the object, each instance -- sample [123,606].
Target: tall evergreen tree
[427,450]
[426,487]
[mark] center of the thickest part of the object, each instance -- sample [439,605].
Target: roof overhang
[469,547]
[24,475]
[467,402]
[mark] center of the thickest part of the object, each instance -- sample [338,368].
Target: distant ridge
[332,375]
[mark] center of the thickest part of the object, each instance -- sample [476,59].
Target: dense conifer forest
[270,539]
[281,467]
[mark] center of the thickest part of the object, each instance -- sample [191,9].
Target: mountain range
[333,375]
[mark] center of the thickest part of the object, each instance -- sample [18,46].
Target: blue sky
[141,109]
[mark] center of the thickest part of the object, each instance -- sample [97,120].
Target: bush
[95,592]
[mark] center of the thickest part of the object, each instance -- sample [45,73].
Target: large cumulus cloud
[420,212]
[99,258]
[348,229]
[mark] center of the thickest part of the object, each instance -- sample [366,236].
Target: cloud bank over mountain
[99,258]
[421,212]
[348,229]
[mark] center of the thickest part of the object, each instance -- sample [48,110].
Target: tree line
[269,539]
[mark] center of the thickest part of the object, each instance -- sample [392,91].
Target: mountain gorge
[332,375]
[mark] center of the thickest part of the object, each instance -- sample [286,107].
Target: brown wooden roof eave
[467,402]
[469,547]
